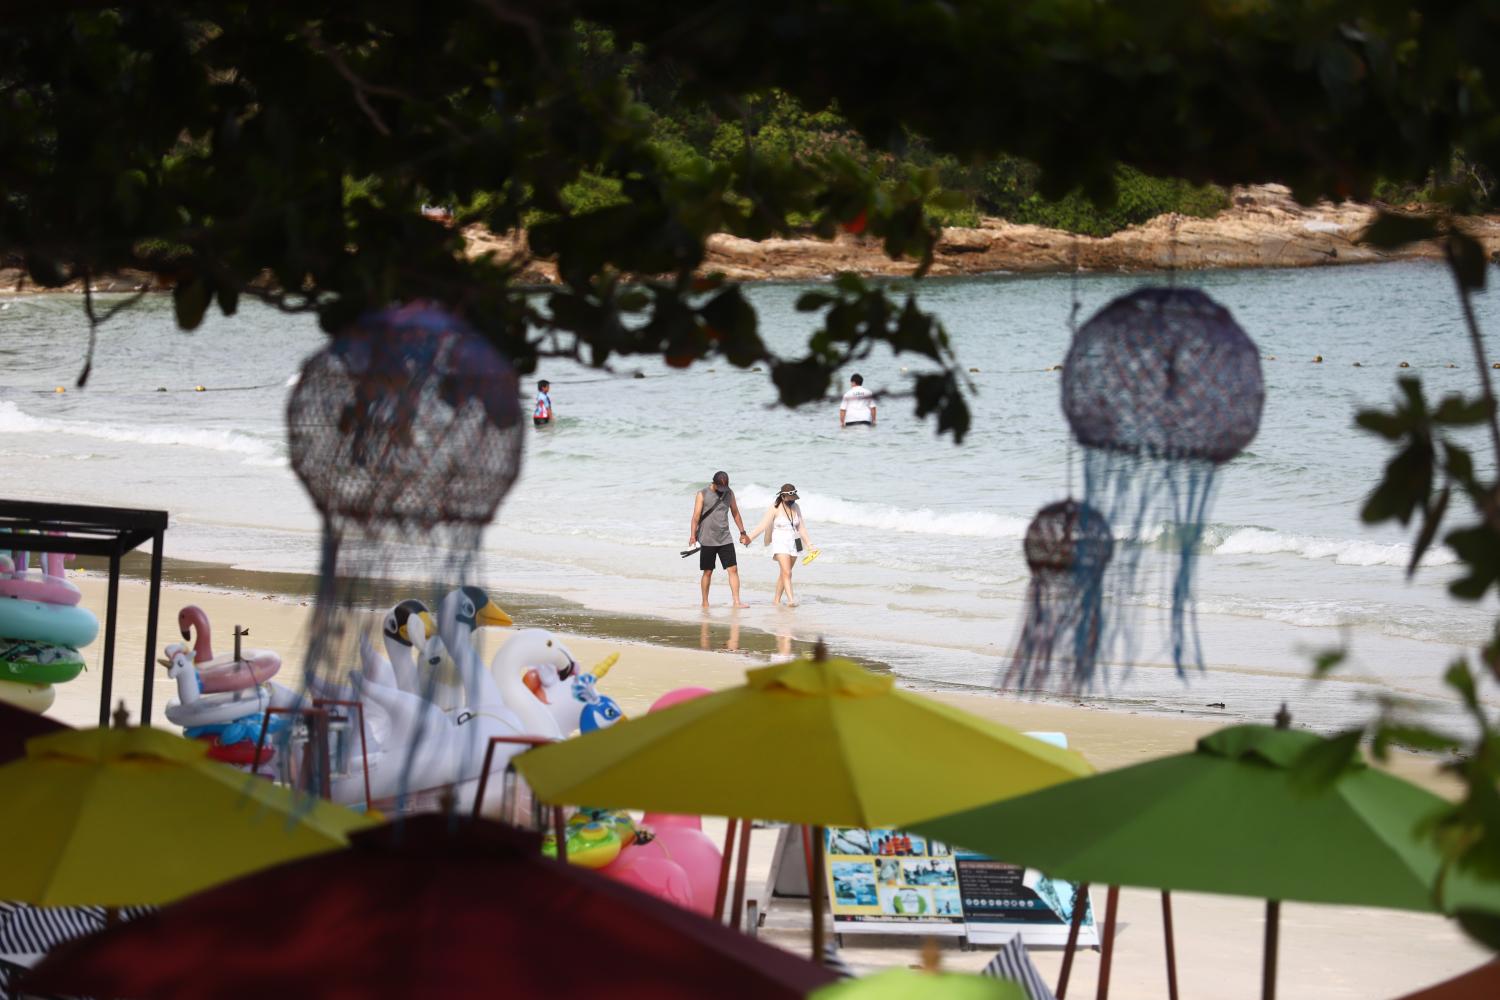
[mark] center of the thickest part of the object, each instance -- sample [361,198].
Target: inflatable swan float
[425,747]
[404,632]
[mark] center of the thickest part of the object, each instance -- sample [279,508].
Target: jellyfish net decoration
[1068,547]
[406,432]
[1161,387]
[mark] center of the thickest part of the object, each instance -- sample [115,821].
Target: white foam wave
[256,451]
[882,517]
[1343,551]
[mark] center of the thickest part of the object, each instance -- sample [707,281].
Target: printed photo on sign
[929,871]
[853,883]
[848,840]
[947,902]
[895,843]
[907,902]
[890,871]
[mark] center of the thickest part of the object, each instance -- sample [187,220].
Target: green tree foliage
[213,143]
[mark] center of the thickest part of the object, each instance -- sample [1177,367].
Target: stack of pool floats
[221,700]
[41,630]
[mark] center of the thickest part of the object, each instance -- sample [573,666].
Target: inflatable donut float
[38,663]
[257,667]
[42,588]
[54,624]
[212,709]
[30,697]
[242,754]
[223,673]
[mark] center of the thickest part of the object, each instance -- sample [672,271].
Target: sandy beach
[1327,952]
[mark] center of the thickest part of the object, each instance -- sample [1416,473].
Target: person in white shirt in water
[858,407]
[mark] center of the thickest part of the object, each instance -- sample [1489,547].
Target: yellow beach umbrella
[128,817]
[818,741]
[813,741]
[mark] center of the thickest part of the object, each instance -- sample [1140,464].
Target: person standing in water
[786,534]
[710,532]
[542,415]
[858,407]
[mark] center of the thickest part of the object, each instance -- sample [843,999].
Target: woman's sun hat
[787,490]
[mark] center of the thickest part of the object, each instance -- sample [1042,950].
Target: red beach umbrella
[432,906]
[17,726]
[1482,983]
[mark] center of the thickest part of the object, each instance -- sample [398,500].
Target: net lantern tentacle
[1068,548]
[407,432]
[1161,387]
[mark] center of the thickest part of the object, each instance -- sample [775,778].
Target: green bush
[1009,190]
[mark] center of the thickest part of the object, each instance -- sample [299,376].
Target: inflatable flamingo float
[245,669]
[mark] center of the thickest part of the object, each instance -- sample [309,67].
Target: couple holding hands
[783,527]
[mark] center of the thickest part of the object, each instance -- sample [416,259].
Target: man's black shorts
[724,552]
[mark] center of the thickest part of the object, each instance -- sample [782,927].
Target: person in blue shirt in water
[542,415]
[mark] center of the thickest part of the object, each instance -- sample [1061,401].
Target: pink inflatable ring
[223,673]
[43,589]
[47,587]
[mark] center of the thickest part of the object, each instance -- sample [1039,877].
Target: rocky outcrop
[1263,227]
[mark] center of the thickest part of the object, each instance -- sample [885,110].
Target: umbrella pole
[815,893]
[807,855]
[1268,970]
[739,876]
[1112,903]
[724,862]
[1080,903]
[560,833]
[1166,924]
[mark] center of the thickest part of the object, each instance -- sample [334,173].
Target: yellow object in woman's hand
[810,556]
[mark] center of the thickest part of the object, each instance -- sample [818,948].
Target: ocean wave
[1230,540]
[14,420]
[882,517]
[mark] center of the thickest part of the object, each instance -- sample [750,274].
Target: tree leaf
[1432,517]
[190,298]
[1461,679]
[1467,258]
[814,301]
[1456,411]
[1396,229]
[1322,763]
[1326,661]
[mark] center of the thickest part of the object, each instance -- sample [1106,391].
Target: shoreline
[1264,227]
[1108,733]
[718,631]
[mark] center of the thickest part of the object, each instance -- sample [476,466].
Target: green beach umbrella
[911,984]
[1234,817]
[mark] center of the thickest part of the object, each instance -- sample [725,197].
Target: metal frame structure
[95,531]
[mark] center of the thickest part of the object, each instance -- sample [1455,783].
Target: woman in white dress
[786,535]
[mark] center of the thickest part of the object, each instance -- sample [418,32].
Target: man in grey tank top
[710,532]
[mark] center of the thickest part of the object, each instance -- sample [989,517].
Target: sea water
[921,567]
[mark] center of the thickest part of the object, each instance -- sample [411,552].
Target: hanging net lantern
[1160,387]
[1068,548]
[406,431]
